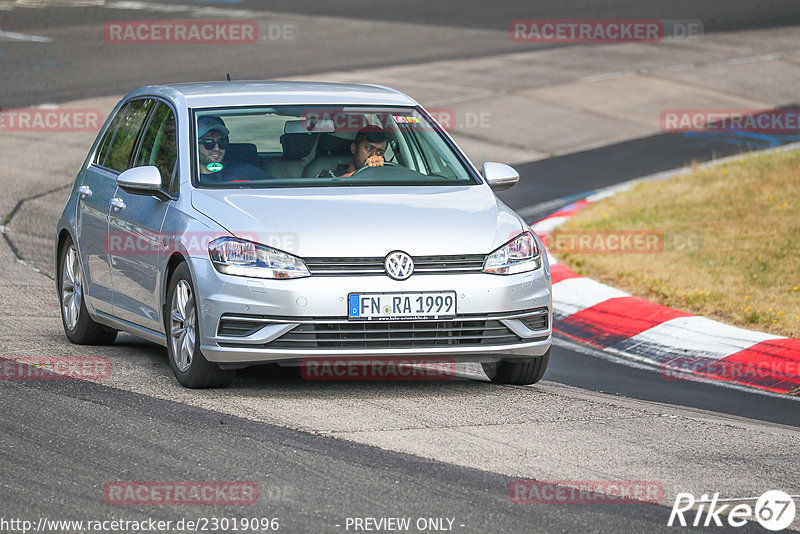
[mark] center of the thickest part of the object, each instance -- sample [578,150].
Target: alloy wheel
[182,325]
[71,288]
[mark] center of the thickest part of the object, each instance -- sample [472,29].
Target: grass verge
[727,242]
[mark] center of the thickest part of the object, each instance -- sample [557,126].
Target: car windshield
[318,146]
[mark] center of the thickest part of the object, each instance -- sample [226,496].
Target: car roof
[244,93]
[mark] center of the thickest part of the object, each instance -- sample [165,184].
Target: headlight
[519,255]
[244,258]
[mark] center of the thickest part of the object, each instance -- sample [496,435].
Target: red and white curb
[680,344]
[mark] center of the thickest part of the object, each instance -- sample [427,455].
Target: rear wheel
[189,365]
[519,372]
[79,327]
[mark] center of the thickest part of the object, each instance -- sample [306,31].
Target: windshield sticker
[404,119]
[214,167]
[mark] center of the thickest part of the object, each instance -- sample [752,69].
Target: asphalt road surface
[329,36]
[311,483]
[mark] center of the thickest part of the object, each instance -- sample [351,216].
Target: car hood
[364,221]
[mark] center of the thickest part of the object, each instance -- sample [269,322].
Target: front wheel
[189,365]
[518,372]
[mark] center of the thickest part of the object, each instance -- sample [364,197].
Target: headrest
[297,145]
[246,152]
[333,145]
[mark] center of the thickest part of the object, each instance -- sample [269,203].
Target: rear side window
[160,144]
[109,136]
[119,152]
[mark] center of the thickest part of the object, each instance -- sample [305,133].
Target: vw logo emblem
[399,265]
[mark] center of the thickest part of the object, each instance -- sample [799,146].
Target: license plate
[417,305]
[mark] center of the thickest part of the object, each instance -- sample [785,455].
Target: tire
[78,326]
[182,327]
[518,372]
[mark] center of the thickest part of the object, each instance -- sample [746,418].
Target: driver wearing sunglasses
[211,148]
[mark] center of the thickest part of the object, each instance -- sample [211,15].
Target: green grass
[731,236]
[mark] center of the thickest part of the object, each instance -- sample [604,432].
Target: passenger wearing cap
[212,145]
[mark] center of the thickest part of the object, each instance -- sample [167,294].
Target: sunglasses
[209,144]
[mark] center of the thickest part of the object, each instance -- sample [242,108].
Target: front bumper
[499,317]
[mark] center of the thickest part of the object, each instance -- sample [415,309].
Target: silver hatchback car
[239,223]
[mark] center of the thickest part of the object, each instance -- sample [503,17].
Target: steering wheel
[385,163]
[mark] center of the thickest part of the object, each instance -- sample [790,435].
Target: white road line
[692,66]
[542,207]
[14,36]
[198,11]
[638,362]
[153,7]
[8,5]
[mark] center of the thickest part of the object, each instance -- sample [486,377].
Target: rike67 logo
[774,510]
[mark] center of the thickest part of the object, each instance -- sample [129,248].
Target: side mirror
[142,181]
[500,176]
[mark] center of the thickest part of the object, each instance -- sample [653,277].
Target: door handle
[84,191]
[117,204]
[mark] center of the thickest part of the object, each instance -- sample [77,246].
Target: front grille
[389,334]
[335,332]
[468,263]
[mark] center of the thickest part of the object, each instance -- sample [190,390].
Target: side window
[119,153]
[432,158]
[100,159]
[160,144]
